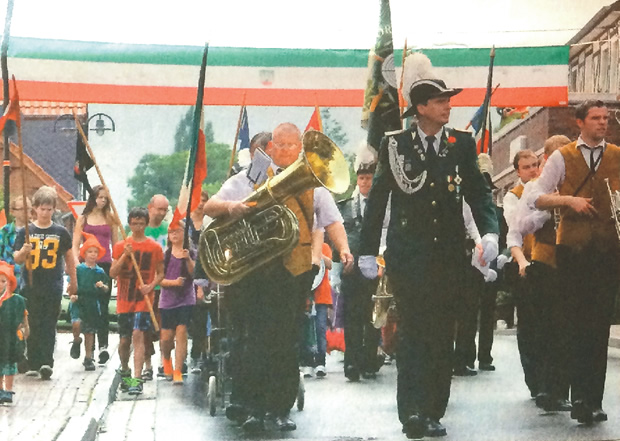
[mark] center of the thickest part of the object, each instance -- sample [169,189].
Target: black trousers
[467,318]
[425,335]
[360,336]
[265,368]
[589,283]
[43,310]
[486,321]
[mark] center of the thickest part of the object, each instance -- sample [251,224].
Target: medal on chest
[454,184]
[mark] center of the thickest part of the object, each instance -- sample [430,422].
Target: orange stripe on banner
[6,163]
[214,96]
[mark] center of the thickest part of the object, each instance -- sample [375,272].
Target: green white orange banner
[109,73]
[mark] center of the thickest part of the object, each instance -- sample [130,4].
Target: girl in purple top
[97,220]
[176,302]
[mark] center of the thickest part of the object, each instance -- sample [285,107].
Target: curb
[85,427]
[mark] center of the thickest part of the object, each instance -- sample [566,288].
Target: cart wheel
[301,392]
[212,395]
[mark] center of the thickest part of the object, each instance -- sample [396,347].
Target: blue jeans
[321,330]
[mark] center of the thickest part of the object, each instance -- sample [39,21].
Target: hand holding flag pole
[147,300]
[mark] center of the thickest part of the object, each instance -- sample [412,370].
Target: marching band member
[587,253]
[268,370]
[428,169]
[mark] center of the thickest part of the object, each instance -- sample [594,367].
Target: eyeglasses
[287,145]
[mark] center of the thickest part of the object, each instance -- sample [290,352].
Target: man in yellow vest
[587,253]
[533,232]
[266,372]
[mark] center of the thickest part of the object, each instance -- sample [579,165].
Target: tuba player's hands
[238,209]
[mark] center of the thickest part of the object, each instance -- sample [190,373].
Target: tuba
[230,249]
[383,299]
[614,197]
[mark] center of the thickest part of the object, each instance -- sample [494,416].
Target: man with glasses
[266,372]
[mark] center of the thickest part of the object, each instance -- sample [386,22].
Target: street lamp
[66,124]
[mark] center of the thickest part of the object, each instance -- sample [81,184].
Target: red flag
[315,122]
[12,111]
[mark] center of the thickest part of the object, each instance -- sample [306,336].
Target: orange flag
[12,111]
[315,122]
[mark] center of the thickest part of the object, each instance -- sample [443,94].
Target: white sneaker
[308,371]
[32,373]
[320,372]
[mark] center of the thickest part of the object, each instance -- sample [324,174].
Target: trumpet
[614,199]
[383,299]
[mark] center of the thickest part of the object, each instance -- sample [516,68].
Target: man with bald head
[264,364]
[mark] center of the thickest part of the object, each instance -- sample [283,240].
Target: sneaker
[160,372]
[194,366]
[125,377]
[32,373]
[168,371]
[147,374]
[320,372]
[104,355]
[75,348]
[177,378]
[46,372]
[135,387]
[89,364]
[308,371]
[6,396]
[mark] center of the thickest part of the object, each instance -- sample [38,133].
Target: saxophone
[614,198]
[230,249]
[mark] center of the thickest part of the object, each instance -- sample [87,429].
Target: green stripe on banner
[66,50]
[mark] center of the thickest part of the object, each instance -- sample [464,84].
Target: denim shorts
[86,326]
[173,317]
[133,321]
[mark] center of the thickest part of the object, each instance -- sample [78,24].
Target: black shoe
[237,413]
[465,371]
[560,405]
[543,401]
[285,424]
[369,375]
[486,366]
[352,373]
[582,413]
[253,424]
[414,427]
[46,372]
[434,428]
[89,364]
[599,415]
[104,355]
[75,348]
[160,372]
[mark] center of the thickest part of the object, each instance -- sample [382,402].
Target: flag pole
[400,88]
[234,148]
[195,138]
[487,98]
[24,199]
[492,93]
[119,224]
[6,164]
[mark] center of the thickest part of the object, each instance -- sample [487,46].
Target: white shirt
[423,136]
[555,169]
[527,219]
[470,224]
[326,212]
[510,204]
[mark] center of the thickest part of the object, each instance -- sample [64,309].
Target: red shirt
[323,293]
[149,255]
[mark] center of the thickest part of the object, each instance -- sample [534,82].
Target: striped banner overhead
[110,73]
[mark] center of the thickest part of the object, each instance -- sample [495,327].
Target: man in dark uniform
[361,337]
[427,169]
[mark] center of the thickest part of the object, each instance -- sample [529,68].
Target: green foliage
[182,138]
[333,128]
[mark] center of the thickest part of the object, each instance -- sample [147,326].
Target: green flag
[381,112]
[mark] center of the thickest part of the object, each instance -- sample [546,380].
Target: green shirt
[158,234]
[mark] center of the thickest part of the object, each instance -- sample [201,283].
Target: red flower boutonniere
[451,140]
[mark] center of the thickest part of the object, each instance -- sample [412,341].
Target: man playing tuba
[266,372]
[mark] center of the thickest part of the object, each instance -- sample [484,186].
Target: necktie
[430,148]
[593,163]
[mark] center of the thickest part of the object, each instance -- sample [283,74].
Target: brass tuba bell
[230,249]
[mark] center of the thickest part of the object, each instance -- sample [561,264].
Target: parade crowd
[423,203]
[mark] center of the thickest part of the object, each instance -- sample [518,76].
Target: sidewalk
[68,407]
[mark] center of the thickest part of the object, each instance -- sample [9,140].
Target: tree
[333,128]
[182,138]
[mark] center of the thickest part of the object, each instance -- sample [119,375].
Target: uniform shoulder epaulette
[466,132]
[394,132]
